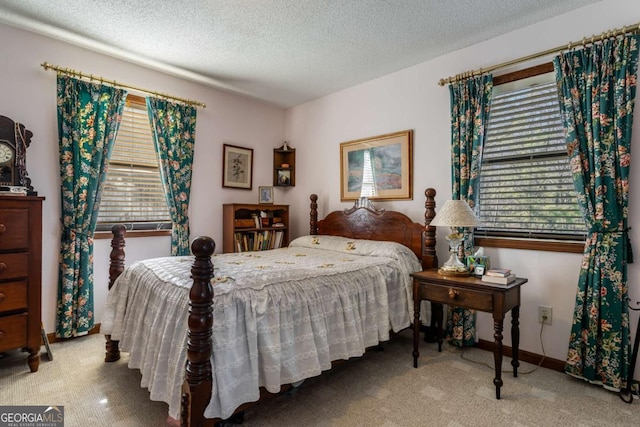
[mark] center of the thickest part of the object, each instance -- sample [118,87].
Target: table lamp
[455,214]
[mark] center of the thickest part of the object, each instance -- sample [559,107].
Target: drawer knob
[2,334]
[453,294]
[2,228]
[2,297]
[3,267]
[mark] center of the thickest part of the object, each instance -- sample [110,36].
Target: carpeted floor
[379,389]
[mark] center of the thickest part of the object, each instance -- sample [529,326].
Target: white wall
[412,99]
[28,95]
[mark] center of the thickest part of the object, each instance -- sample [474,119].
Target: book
[498,272]
[278,240]
[499,280]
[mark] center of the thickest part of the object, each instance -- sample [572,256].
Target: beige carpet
[380,389]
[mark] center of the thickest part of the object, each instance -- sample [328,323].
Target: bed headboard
[373,224]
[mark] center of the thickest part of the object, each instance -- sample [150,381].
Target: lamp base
[443,271]
[453,266]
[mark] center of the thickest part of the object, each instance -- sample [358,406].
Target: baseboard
[52,336]
[526,356]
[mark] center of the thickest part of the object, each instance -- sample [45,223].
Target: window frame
[569,246]
[107,234]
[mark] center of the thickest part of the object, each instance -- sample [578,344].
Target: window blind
[133,192]
[526,188]
[368,181]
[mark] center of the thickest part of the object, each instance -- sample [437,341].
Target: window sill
[534,245]
[99,235]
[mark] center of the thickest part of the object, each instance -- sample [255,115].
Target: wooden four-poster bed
[202,343]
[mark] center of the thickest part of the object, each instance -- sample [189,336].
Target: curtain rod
[605,35]
[80,74]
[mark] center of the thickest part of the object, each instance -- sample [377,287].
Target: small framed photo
[284,178]
[477,265]
[265,195]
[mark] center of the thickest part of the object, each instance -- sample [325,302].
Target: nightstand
[472,293]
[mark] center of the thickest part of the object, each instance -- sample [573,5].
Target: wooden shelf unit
[241,234]
[284,176]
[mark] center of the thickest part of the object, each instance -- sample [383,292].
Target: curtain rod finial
[441,82]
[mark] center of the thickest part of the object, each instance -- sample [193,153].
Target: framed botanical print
[237,167]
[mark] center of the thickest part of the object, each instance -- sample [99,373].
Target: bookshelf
[253,227]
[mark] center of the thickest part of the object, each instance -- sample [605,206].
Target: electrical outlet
[544,314]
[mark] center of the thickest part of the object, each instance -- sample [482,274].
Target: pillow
[352,246]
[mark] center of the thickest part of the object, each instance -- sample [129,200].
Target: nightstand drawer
[14,228]
[451,295]
[13,296]
[14,265]
[13,332]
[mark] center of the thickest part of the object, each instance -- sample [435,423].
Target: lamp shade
[455,213]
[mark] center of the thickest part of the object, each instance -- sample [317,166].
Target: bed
[277,316]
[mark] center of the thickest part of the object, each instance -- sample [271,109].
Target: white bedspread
[280,316]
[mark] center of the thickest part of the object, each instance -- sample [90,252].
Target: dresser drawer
[451,295]
[14,228]
[13,332]
[14,265]
[13,296]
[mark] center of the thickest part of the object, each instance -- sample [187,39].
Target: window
[133,194]
[368,188]
[526,189]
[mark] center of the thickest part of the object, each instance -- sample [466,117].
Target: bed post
[430,259]
[313,215]
[116,267]
[196,389]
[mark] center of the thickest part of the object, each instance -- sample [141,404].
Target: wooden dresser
[21,275]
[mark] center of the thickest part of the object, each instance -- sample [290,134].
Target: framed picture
[237,167]
[265,195]
[284,178]
[380,168]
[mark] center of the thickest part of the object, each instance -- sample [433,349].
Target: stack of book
[500,276]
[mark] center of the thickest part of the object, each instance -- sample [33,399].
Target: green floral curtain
[88,119]
[470,103]
[597,86]
[174,131]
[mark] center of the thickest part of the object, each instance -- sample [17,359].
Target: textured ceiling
[285,52]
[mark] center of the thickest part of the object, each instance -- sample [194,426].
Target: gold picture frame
[237,167]
[390,158]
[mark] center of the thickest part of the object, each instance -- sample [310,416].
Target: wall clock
[14,140]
